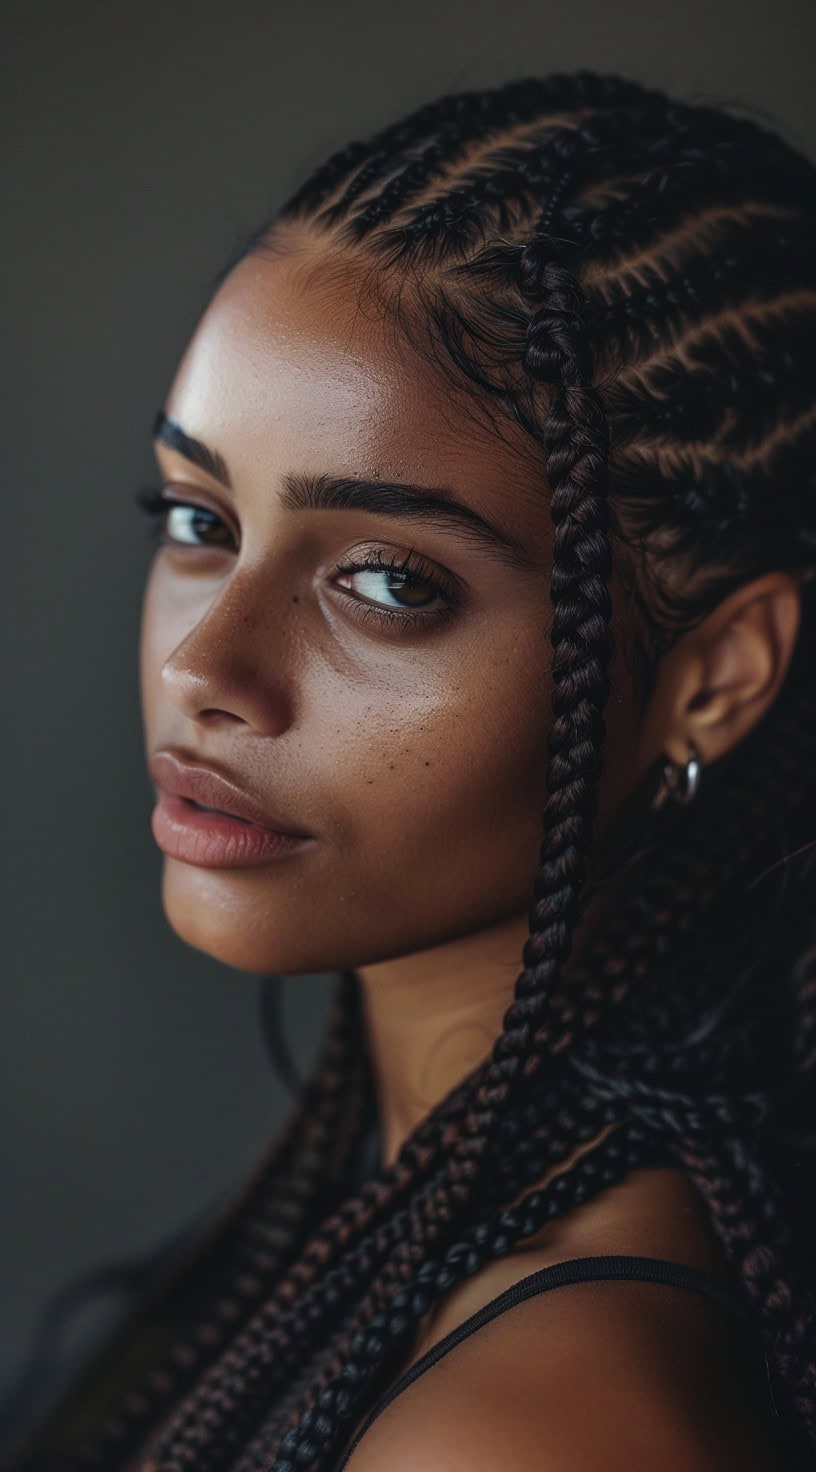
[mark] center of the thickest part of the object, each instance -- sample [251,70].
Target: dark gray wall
[141,141]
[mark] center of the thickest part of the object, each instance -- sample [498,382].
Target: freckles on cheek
[460,763]
[448,822]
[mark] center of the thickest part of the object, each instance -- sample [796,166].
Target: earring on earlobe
[680,780]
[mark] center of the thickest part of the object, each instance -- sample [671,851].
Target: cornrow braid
[631,303]
[361,164]
[630,279]
[454,122]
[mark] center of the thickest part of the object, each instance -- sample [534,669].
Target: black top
[561,1275]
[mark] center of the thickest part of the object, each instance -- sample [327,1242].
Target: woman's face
[399,722]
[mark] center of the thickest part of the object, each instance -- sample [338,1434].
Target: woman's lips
[215,840]
[205,818]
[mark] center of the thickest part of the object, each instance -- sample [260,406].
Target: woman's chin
[228,926]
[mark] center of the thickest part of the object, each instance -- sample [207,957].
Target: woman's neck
[433,1016]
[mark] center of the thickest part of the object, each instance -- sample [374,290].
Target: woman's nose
[233,664]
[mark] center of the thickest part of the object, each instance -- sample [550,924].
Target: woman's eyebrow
[303,492]
[167,431]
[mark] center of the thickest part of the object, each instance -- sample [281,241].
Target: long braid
[630,279]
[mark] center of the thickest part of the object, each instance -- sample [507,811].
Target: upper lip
[202,784]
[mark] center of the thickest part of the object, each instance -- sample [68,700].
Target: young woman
[477,667]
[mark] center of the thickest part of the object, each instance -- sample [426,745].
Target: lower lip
[214,840]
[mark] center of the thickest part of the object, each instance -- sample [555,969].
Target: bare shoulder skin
[609,1377]
[602,1376]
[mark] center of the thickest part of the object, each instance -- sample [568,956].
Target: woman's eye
[180,523]
[397,591]
[391,589]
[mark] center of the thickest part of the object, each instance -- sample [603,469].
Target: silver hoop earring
[679,781]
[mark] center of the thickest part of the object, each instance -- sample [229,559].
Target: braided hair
[631,279]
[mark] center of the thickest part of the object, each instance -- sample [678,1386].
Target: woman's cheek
[452,782]
[450,726]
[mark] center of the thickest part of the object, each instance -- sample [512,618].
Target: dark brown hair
[631,279]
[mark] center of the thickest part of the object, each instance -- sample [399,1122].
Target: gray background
[141,141]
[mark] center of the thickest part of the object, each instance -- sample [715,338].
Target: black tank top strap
[562,1275]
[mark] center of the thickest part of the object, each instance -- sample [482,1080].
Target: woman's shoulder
[606,1377]
[653,1213]
[595,1376]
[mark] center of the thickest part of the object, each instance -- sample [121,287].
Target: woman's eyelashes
[177,523]
[395,588]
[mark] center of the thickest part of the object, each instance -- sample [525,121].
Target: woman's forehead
[297,368]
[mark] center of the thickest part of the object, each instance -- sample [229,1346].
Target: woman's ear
[721,676]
